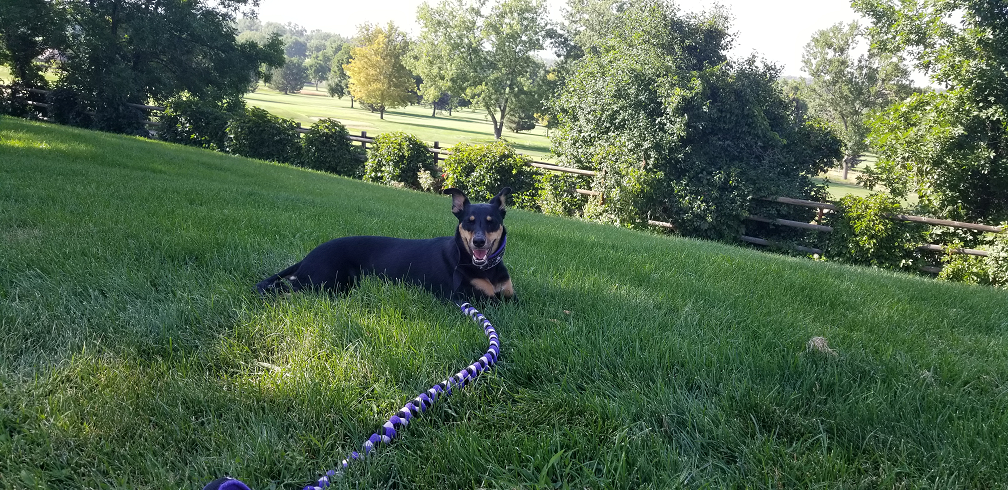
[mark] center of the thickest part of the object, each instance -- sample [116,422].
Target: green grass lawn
[134,354]
[464,125]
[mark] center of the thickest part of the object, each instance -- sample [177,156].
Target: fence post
[363,144]
[437,154]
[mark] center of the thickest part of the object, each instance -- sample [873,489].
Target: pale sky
[776,29]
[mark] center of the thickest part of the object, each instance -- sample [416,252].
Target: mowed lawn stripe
[133,352]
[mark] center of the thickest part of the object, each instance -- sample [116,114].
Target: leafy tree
[679,133]
[338,82]
[28,28]
[316,71]
[377,73]
[846,89]
[491,57]
[319,65]
[289,78]
[447,48]
[590,23]
[296,48]
[510,75]
[125,52]
[950,148]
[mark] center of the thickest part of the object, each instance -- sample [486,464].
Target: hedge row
[255,133]
[396,159]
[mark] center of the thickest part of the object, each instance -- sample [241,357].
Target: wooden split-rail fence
[822,207]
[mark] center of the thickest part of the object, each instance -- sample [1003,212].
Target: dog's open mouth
[480,255]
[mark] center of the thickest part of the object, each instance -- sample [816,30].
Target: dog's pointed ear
[459,201]
[500,198]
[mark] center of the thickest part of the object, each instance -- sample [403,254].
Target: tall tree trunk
[434,110]
[848,159]
[498,125]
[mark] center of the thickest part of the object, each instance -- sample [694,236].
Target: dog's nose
[479,241]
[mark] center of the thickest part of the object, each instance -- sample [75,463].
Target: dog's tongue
[479,253]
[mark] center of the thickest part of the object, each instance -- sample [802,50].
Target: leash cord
[424,400]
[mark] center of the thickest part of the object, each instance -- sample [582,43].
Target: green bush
[624,188]
[961,267]
[194,122]
[65,108]
[863,234]
[996,263]
[259,134]
[990,270]
[398,159]
[481,171]
[517,122]
[558,193]
[327,148]
[117,116]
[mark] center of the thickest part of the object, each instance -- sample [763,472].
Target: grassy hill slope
[133,353]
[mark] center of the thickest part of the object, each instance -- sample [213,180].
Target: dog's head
[481,226]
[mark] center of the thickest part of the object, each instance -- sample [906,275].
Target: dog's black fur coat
[457,268]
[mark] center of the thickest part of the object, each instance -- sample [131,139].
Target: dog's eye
[472,218]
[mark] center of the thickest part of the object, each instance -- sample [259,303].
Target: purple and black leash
[412,409]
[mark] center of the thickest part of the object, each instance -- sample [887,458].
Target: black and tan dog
[467,266]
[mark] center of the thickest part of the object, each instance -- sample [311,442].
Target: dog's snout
[479,241]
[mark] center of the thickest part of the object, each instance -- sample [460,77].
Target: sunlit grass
[134,354]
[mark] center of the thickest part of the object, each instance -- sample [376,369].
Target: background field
[133,353]
[464,125]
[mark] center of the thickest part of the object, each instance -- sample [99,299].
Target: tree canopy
[289,78]
[677,131]
[337,84]
[29,28]
[446,50]
[378,75]
[846,88]
[114,52]
[949,147]
[491,55]
[134,52]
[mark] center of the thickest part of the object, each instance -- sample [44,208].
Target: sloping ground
[133,353]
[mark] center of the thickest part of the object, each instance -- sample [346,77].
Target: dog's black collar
[497,256]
